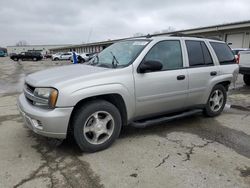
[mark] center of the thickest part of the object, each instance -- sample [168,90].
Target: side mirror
[150,66]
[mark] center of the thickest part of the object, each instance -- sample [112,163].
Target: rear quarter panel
[226,73]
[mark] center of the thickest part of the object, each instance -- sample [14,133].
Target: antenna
[90,32]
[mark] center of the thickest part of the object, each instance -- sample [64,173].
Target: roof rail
[186,35]
[215,38]
[178,34]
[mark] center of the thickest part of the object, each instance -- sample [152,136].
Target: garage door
[236,40]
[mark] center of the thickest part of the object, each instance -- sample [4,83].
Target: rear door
[165,90]
[226,59]
[200,71]
[66,56]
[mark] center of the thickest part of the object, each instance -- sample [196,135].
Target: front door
[165,90]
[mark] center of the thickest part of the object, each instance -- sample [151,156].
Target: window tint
[168,53]
[206,54]
[223,52]
[198,54]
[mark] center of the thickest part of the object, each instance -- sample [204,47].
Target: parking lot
[190,152]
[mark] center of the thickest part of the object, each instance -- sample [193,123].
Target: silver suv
[138,82]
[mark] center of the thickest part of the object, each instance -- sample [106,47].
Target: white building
[44,49]
[236,34]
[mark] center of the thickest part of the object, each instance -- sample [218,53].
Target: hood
[55,76]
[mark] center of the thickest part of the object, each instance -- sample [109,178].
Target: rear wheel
[81,60]
[216,101]
[97,124]
[246,78]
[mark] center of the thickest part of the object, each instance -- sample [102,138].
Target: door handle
[213,73]
[181,77]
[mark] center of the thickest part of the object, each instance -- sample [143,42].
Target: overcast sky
[78,21]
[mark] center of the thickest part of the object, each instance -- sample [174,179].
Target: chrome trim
[34,98]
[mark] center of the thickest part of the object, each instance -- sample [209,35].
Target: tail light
[238,58]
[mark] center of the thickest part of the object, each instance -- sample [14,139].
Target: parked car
[62,56]
[47,56]
[2,53]
[244,63]
[35,56]
[236,52]
[137,82]
[84,57]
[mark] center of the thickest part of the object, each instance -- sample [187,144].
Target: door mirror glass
[150,66]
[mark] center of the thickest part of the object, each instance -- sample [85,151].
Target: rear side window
[223,52]
[198,54]
[206,54]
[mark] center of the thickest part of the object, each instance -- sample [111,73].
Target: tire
[56,59]
[215,105]
[246,78]
[91,136]
[81,60]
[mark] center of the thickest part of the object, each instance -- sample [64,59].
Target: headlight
[48,94]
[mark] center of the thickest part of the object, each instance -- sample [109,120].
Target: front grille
[29,94]
[39,123]
[29,87]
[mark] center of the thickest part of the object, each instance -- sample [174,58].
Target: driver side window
[168,53]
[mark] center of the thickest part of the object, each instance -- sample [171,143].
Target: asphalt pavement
[189,152]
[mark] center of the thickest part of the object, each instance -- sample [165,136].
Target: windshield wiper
[95,60]
[115,62]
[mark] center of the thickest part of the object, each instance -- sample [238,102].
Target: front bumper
[47,122]
[244,70]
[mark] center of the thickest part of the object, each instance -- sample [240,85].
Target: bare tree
[138,34]
[169,29]
[156,32]
[21,43]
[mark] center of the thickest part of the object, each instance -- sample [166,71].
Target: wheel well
[226,84]
[115,99]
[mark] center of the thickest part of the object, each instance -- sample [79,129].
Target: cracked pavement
[190,152]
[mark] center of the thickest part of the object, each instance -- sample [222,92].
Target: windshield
[120,54]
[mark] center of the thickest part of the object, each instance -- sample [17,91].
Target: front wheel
[97,124]
[246,78]
[216,101]
[81,60]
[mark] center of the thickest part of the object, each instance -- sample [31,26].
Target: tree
[168,30]
[22,43]
[138,35]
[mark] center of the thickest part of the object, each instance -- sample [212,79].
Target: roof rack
[178,34]
[185,35]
